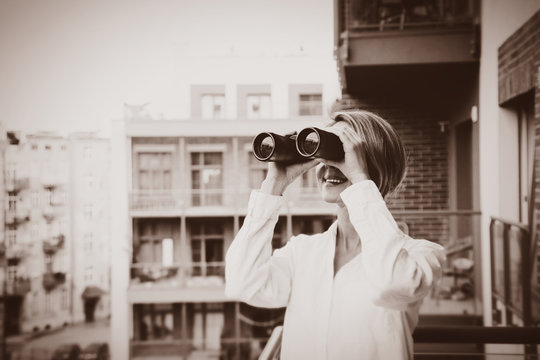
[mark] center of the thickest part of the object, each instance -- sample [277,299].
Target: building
[459,79]
[188,184]
[43,232]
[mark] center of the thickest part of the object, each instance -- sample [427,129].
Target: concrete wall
[499,20]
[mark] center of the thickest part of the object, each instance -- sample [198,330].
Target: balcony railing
[18,287]
[17,184]
[190,275]
[181,200]
[401,15]
[52,245]
[18,216]
[511,270]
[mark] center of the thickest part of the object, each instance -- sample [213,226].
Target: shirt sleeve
[401,270]
[252,273]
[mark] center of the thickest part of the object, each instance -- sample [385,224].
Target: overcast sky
[70,65]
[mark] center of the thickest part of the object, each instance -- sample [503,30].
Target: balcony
[51,280]
[217,202]
[18,287]
[50,213]
[53,245]
[373,36]
[17,185]
[515,293]
[16,252]
[18,216]
[195,282]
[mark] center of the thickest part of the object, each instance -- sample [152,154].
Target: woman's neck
[347,238]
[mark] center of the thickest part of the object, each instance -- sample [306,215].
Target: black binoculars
[310,143]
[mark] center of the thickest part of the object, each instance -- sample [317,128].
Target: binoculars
[310,143]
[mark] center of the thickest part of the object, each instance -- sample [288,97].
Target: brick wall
[519,72]
[426,182]
[518,60]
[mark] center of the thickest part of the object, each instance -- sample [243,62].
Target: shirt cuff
[363,192]
[263,205]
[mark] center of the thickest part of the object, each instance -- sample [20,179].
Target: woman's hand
[281,175]
[354,165]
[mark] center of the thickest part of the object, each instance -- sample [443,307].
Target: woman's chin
[331,193]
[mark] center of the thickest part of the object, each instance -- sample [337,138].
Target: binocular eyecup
[310,143]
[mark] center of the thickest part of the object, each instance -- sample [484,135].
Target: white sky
[70,65]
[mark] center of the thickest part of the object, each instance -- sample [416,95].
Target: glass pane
[196,228]
[212,158]
[195,158]
[498,263]
[167,180]
[196,251]
[213,227]
[166,161]
[145,253]
[211,178]
[195,179]
[266,107]
[207,104]
[219,107]
[256,178]
[144,160]
[214,250]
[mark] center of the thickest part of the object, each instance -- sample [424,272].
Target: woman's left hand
[353,165]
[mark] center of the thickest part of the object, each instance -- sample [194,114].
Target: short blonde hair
[385,155]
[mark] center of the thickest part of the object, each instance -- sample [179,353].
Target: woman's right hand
[282,175]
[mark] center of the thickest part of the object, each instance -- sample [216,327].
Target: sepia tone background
[126,161]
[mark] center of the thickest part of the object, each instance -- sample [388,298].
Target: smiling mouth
[334,180]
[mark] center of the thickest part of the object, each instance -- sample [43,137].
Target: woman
[354,291]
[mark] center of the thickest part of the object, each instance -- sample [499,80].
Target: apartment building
[459,80]
[43,233]
[188,186]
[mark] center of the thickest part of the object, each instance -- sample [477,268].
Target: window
[310,104]
[154,322]
[11,273]
[48,262]
[258,106]
[206,178]
[34,198]
[34,147]
[65,298]
[88,243]
[155,170]
[48,304]
[207,248]
[213,106]
[257,171]
[11,236]
[35,303]
[11,171]
[151,234]
[47,147]
[12,202]
[88,273]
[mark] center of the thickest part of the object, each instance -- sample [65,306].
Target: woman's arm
[401,270]
[253,274]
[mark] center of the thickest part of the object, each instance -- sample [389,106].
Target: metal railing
[235,200]
[511,270]
[401,15]
[192,274]
[439,335]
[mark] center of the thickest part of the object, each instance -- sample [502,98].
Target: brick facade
[519,73]
[425,187]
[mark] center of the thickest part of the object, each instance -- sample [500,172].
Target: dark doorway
[90,308]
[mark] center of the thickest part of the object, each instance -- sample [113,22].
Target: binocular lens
[310,144]
[266,147]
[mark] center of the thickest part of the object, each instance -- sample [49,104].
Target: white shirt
[368,310]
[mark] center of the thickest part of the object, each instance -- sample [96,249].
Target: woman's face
[330,180]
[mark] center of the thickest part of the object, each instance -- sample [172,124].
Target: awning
[92,292]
